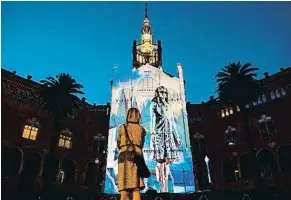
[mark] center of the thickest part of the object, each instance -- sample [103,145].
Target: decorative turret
[146,30]
[146,51]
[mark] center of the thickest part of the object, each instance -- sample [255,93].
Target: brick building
[217,132]
[26,132]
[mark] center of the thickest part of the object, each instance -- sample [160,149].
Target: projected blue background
[128,94]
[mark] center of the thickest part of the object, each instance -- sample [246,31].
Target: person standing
[165,139]
[130,139]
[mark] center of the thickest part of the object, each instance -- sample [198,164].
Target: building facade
[26,134]
[218,133]
[217,139]
[160,98]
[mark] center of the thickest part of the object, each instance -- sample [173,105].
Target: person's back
[130,139]
[136,135]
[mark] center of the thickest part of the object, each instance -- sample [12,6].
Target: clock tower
[145,51]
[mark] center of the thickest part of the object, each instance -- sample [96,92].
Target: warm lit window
[266,126]
[31,129]
[222,113]
[231,136]
[226,112]
[65,139]
[230,110]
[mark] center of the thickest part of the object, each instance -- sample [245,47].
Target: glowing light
[65,139]
[222,113]
[237,109]
[29,132]
[231,111]
[206,159]
[146,36]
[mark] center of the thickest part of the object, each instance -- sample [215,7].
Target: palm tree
[238,86]
[58,96]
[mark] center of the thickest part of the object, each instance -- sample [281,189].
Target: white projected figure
[162,175]
[206,159]
[164,136]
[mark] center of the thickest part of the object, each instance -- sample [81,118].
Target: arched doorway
[90,175]
[30,171]
[12,162]
[51,168]
[69,168]
[228,169]
[284,157]
[266,163]
[247,167]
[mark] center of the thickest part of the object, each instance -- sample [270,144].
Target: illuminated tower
[147,87]
[146,51]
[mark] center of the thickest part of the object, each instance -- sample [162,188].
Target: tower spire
[146,10]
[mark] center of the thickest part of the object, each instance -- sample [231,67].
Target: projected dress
[165,140]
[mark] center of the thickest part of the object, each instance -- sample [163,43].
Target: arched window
[222,113]
[90,174]
[99,144]
[277,93]
[30,171]
[65,139]
[228,169]
[69,168]
[267,163]
[266,126]
[231,136]
[247,164]
[51,168]
[264,98]
[31,129]
[198,144]
[226,112]
[195,118]
[147,84]
[282,91]
[12,162]
[272,94]
[230,110]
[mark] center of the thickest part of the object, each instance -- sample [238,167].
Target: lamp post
[96,149]
[206,159]
[96,168]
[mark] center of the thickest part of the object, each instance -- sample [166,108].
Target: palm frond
[237,83]
[59,95]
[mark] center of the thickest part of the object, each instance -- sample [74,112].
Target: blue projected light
[160,99]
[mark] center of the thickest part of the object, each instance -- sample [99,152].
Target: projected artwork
[160,99]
